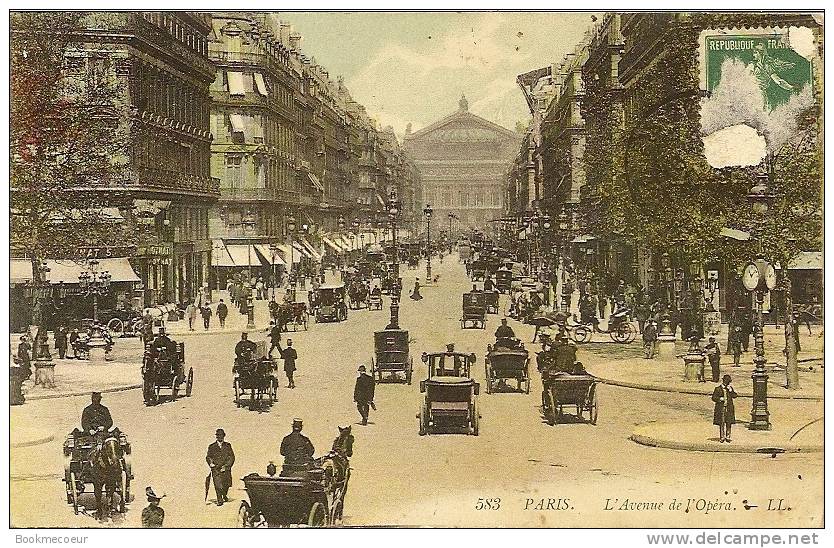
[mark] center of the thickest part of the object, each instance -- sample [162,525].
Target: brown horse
[106,472]
[336,465]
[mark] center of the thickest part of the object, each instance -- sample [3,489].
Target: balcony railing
[256,194]
[246,58]
[163,179]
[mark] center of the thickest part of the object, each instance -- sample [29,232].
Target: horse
[106,472]
[336,466]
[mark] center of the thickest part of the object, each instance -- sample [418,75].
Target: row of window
[167,96]
[191,224]
[178,29]
[473,197]
[151,150]
[268,174]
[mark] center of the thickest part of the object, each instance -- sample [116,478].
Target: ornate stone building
[463,162]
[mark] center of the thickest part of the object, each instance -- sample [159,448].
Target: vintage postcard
[416,269]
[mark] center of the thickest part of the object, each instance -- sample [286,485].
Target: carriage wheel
[148,390]
[236,384]
[581,335]
[632,333]
[115,325]
[552,406]
[318,515]
[189,384]
[593,404]
[244,515]
[424,420]
[475,419]
[338,511]
[123,490]
[175,387]
[410,370]
[73,492]
[488,378]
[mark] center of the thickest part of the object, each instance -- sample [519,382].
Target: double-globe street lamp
[248,222]
[393,212]
[428,211]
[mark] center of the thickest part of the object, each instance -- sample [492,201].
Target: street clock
[759,275]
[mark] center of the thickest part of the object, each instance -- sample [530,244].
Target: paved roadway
[400,478]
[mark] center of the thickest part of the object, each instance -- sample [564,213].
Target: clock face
[770,277]
[751,277]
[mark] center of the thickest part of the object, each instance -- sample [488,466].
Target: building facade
[463,161]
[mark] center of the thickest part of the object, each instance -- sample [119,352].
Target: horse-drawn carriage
[255,375]
[450,402]
[314,497]
[164,369]
[125,323]
[375,301]
[567,386]
[413,251]
[507,359]
[392,361]
[292,314]
[503,279]
[330,303]
[102,460]
[477,270]
[620,328]
[358,295]
[491,302]
[474,310]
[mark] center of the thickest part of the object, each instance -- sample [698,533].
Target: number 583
[488,504]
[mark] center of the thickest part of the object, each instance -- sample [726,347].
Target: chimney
[295,41]
[284,32]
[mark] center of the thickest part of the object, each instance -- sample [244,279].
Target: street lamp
[760,277]
[393,212]
[248,221]
[341,222]
[427,211]
[273,248]
[452,216]
[94,283]
[291,226]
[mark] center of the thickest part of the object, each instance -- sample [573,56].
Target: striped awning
[331,244]
[220,256]
[267,256]
[67,271]
[312,250]
[243,255]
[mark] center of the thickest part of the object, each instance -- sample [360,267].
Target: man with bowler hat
[220,458]
[363,394]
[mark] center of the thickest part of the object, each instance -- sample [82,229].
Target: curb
[218,332]
[644,439]
[32,442]
[124,388]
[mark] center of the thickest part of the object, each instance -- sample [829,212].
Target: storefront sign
[155,250]
[712,323]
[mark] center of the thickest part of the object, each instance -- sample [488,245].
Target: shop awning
[309,247]
[260,85]
[20,271]
[289,255]
[236,86]
[806,260]
[299,249]
[219,255]
[67,271]
[331,244]
[735,234]
[243,255]
[266,255]
[315,180]
[238,123]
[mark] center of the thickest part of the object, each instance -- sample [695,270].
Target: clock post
[759,415]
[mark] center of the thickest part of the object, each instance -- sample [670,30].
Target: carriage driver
[244,349]
[95,418]
[297,450]
[504,331]
[163,347]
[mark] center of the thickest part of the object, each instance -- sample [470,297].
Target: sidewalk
[22,435]
[667,376]
[791,437]
[81,378]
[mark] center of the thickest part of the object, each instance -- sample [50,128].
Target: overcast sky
[413,67]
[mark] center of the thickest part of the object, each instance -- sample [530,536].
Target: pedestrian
[222,312]
[713,352]
[259,289]
[649,339]
[363,394]
[191,314]
[205,312]
[24,356]
[220,458]
[735,345]
[152,515]
[73,343]
[230,290]
[61,341]
[724,414]
[641,312]
[795,321]
[415,295]
[601,303]
[289,355]
[274,337]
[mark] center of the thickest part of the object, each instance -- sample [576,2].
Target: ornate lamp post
[667,277]
[273,249]
[341,223]
[545,226]
[760,277]
[362,240]
[94,283]
[292,274]
[428,211]
[563,227]
[393,212]
[452,216]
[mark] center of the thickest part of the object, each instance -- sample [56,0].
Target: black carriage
[474,310]
[491,302]
[504,279]
[254,375]
[375,301]
[162,370]
[562,390]
[78,468]
[125,323]
[450,403]
[330,303]
[392,361]
[287,501]
[477,270]
[503,363]
[358,295]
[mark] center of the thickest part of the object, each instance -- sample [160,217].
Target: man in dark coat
[205,312]
[222,312]
[95,416]
[289,355]
[504,331]
[220,458]
[61,341]
[297,450]
[713,352]
[244,349]
[724,414]
[24,355]
[274,337]
[649,339]
[152,514]
[363,393]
